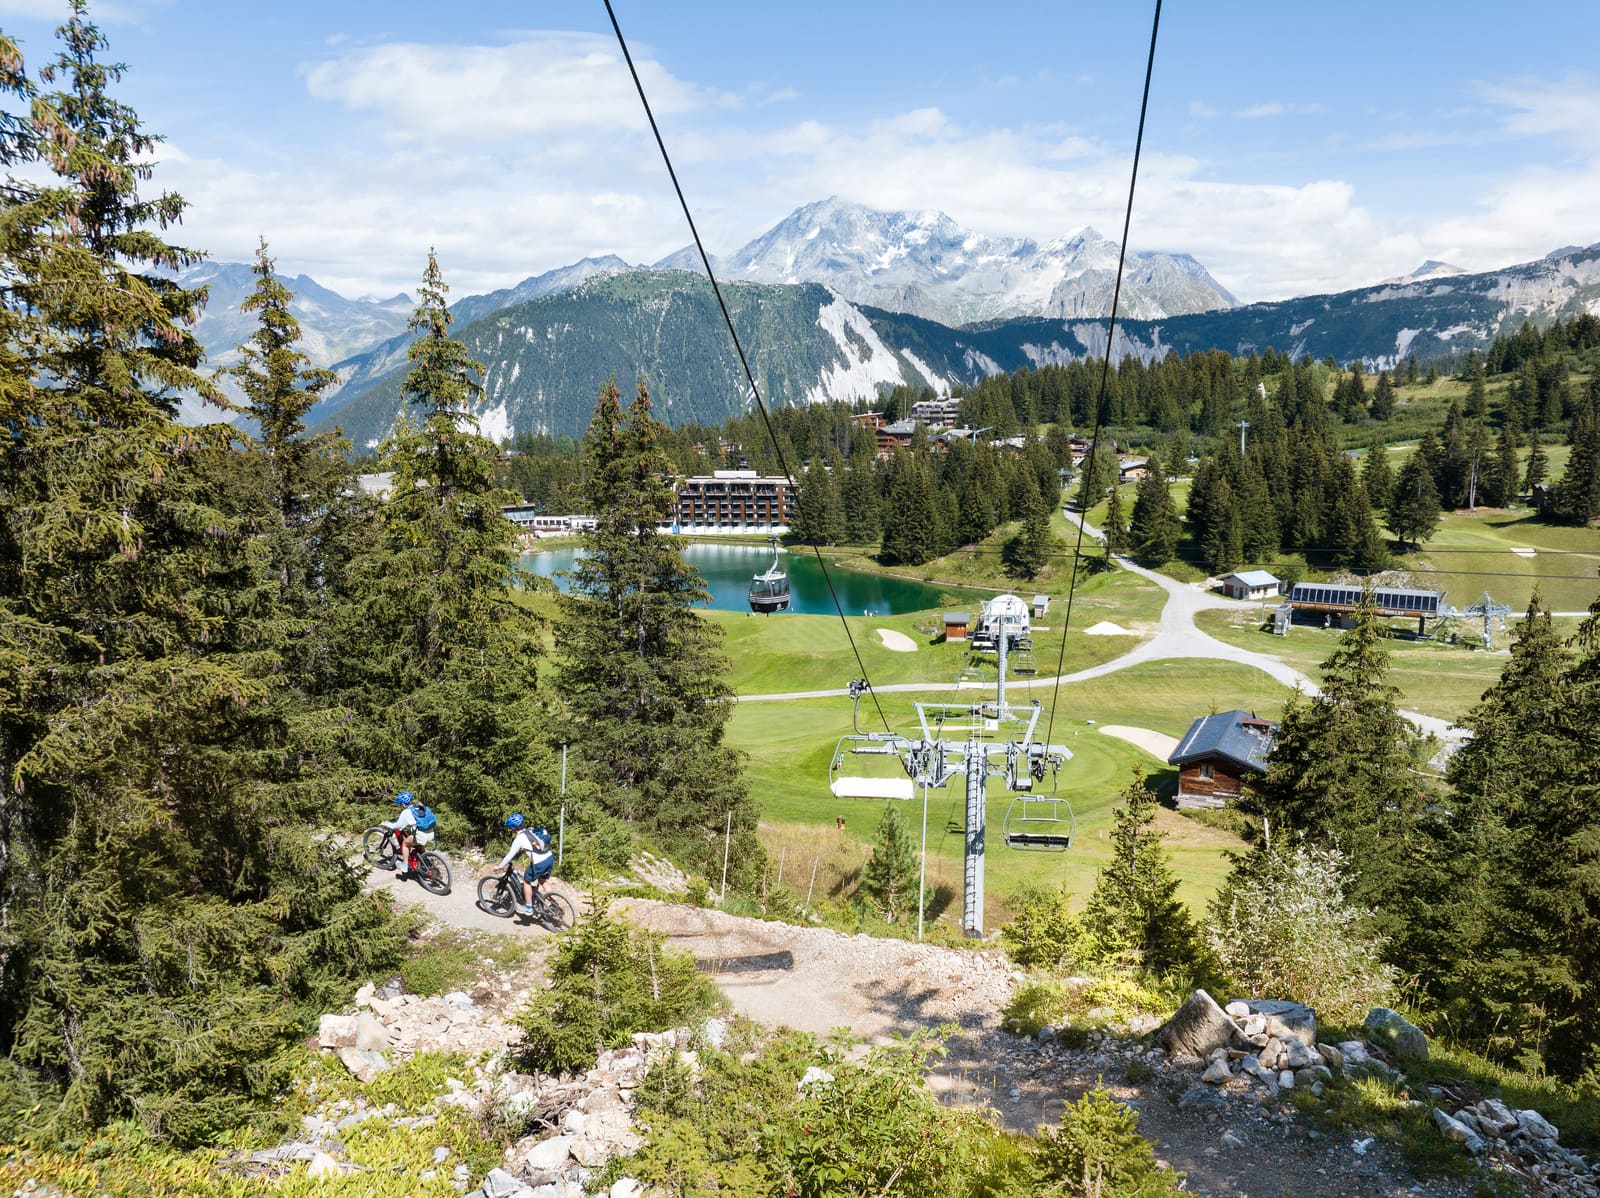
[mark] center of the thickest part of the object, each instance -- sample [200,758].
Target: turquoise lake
[728,569]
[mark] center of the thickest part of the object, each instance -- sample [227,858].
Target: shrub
[608,981]
[1035,1006]
[1282,927]
[1044,932]
[889,879]
[1098,1151]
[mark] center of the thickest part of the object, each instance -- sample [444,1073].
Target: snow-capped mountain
[925,264]
[1431,269]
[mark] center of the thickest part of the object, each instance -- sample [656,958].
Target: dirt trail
[818,980]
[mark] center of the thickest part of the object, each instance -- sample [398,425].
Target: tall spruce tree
[1414,506]
[1377,476]
[1154,528]
[438,656]
[1343,773]
[1134,913]
[641,673]
[1028,553]
[911,523]
[166,923]
[1116,524]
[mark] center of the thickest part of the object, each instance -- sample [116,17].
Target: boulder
[1284,1020]
[1201,1098]
[1537,1126]
[1197,1028]
[1353,1052]
[548,1154]
[1396,1034]
[1216,1073]
[1237,1009]
[500,1184]
[336,1031]
[1300,1057]
[364,995]
[1495,1117]
[1331,1056]
[370,1033]
[363,1063]
[626,1187]
[1456,1131]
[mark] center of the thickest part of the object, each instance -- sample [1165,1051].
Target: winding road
[1176,637]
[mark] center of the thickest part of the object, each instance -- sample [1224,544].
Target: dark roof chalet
[1236,736]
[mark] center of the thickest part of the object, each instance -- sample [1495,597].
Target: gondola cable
[738,346]
[1105,367]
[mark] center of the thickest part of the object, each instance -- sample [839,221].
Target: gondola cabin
[769,590]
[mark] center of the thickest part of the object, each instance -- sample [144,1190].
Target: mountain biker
[535,842]
[413,828]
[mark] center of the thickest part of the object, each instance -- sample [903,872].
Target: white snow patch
[857,376]
[982,361]
[1457,330]
[495,423]
[815,229]
[1053,354]
[940,385]
[1296,329]
[1403,341]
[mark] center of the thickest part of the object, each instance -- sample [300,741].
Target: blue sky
[1291,148]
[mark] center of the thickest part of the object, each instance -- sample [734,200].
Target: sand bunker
[898,641]
[1107,628]
[1158,744]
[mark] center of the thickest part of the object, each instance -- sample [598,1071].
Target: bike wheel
[377,846]
[557,914]
[494,897]
[433,871]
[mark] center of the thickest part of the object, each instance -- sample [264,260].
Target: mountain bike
[499,894]
[381,846]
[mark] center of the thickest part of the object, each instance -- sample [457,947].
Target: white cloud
[1201,110]
[1568,108]
[545,84]
[1271,108]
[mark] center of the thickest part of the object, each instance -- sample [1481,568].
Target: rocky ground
[1231,1135]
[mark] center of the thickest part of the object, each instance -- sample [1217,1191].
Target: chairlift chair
[1039,824]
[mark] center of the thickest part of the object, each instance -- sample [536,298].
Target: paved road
[1176,637]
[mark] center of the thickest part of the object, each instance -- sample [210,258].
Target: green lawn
[790,745]
[1472,554]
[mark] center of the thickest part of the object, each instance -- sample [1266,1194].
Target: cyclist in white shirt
[535,842]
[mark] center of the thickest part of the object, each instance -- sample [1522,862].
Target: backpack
[425,818]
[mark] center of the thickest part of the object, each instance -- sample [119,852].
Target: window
[1205,773]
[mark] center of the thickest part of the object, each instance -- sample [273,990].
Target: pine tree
[1134,912]
[859,498]
[1414,507]
[1154,528]
[889,878]
[1477,392]
[166,923]
[910,512]
[1524,915]
[1029,551]
[818,514]
[1382,398]
[1504,472]
[1115,531]
[1342,773]
[1537,468]
[1578,492]
[641,672]
[1377,475]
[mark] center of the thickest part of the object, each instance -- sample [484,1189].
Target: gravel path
[1158,744]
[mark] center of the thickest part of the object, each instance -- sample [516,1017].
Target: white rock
[457,998]
[1456,1131]
[440,1155]
[715,1032]
[364,995]
[1286,1079]
[1537,1126]
[1237,1009]
[549,1154]
[1354,1052]
[323,1166]
[370,1033]
[626,1187]
[1216,1073]
[572,1123]
[1495,1117]
[364,1064]
[500,1184]
[815,1076]
[336,1031]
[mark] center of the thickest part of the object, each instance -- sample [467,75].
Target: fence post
[561,835]
[778,885]
[813,884]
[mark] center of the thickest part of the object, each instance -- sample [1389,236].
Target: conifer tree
[818,515]
[1134,912]
[1505,471]
[1414,506]
[1116,524]
[166,923]
[1537,468]
[641,673]
[1154,528]
[1578,492]
[889,878]
[1382,398]
[1029,551]
[910,512]
[1477,392]
[859,498]
[1342,772]
[1377,476]
[438,657]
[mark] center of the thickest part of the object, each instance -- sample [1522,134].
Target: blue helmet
[515,821]
[403,798]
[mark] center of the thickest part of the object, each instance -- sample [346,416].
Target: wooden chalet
[1220,755]
[956,624]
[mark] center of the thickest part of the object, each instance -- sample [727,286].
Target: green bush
[1098,1151]
[1034,1006]
[1282,926]
[1044,933]
[608,981]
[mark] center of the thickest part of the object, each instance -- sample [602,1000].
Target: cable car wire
[1105,366]
[738,346]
